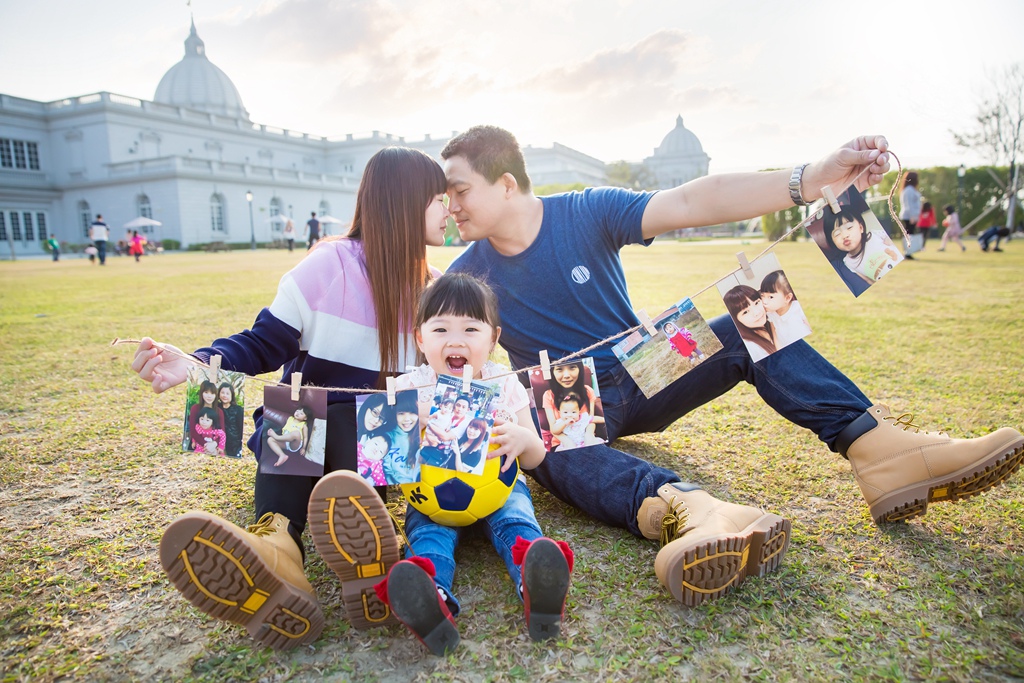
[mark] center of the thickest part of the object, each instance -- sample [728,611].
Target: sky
[761,84]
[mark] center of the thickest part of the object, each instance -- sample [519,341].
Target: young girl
[343,318]
[372,451]
[456,325]
[577,427]
[952,224]
[137,245]
[747,311]
[401,465]
[784,311]
[870,254]
[926,222]
[234,419]
[293,436]
[207,399]
[566,378]
[471,446]
[683,343]
[211,439]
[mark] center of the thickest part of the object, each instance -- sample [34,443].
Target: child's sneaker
[354,534]
[416,601]
[546,567]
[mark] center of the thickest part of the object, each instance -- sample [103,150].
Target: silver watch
[794,185]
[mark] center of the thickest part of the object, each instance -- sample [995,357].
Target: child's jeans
[516,518]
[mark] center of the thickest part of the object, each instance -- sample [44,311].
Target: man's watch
[795,180]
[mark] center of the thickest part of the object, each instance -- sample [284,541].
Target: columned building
[678,159]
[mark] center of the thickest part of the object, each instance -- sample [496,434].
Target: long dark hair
[387,414]
[405,402]
[398,184]
[468,447]
[579,387]
[208,386]
[229,387]
[738,298]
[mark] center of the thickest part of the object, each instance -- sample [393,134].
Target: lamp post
[960,173]
[252,227]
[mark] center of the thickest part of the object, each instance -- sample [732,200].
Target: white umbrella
[329,219]
[141,222]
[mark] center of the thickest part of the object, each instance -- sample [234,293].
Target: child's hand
[515,440]
[162,365]
[211,448]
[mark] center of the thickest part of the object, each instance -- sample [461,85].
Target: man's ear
[511,185]
[497,335]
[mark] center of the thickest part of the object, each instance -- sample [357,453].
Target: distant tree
[633,176]
[557,188]
[999,128]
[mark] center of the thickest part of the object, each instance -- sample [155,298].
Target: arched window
[216,214]
[84,217]
[145,210]
[275,210]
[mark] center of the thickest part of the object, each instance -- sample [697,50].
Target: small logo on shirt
[580,274]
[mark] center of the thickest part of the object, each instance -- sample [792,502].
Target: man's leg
[101,249]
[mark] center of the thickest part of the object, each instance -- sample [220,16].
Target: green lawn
[90,474]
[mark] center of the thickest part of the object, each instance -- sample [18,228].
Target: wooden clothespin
[214,367]
[748,272]
[830,197]
[390,382]
[545,364]
[646,321]
[467,378]
[296,385]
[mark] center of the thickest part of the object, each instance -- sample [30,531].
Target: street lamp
[252,227]
[960,173]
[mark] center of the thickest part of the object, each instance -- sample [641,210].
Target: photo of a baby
[569,406]
[294,432]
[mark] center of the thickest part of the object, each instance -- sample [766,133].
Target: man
[528,247]
[997,233]
[99,233]
[313,228]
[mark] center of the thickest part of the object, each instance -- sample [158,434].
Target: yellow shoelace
[674,520]
[906,420]
[262,527]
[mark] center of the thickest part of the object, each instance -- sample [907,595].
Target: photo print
[214,412]
[294,432]
[683,342]
[457,431]
[569,406]
[854,242]
[389,438]
[764,307]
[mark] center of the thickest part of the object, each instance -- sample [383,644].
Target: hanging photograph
[214,412]
[388,438]
[294,432]
[569,406]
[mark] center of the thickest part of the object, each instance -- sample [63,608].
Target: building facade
[678,159]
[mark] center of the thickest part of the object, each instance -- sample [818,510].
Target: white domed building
[678,159]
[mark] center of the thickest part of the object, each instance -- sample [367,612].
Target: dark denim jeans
[610,485]
[514,519]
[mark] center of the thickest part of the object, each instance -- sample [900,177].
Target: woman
[748,313]
[566,378]
[342,318]
[910,206]
[207,399]
[234,419]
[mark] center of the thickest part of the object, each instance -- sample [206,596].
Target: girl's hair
[776,281]
[571,396]
[406,402]
[950,209]
[926,206]
[210,413]
[229,387]
[390,220]
[207,386]
[579,387]
[458,294]
[306,410]
[673,325]
[387,413]
[481,425]
[738,298]
[910,180]
[847,213]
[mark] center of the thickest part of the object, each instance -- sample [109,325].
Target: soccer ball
[458,498]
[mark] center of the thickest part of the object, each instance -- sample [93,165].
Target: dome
[196,83]
[679,142]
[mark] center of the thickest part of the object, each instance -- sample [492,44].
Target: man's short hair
[313,213]
[491,152]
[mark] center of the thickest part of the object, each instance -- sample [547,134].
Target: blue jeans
[437,543]
[610,485]
[101,250]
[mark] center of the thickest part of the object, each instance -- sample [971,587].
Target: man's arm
[738,196]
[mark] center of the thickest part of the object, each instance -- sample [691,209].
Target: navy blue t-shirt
[567,290]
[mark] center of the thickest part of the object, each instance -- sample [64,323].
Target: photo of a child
[294,432]
[222,396]
[569,406]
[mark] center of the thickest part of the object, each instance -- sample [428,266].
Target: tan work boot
[251,577]
[710,545]
[901,468]
[353,532]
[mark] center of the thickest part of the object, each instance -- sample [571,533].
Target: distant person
[926,222]
[910,206]
[996,232]
[289,234]
[952,224]
[99,233]
[313,228]
[54,247]
[137,245]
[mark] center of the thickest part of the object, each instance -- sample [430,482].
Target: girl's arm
[518,441]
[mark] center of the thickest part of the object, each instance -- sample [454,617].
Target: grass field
[90,474]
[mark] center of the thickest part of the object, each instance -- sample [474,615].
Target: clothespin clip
[390,382]
[296,385]
[646,321]
[830,197]
[467,378]
[545,364]
[748,272]
[214,367]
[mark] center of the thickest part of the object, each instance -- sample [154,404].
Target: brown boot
[901,468]
[713,545]
[251,577]
[353,532]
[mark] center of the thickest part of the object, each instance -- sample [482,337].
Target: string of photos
[433,439]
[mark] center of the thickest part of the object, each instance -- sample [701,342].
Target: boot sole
[415,601]
[216,569]
[545,586]
[977,478]
[713,568]
[354,534]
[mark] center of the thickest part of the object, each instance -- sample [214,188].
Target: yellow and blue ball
[459,498]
